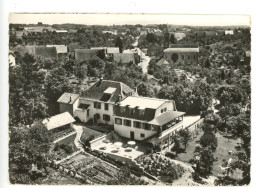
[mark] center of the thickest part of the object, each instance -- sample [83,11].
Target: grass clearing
[224,146]
[87,132]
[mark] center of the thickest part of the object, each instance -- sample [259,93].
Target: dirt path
[77,142]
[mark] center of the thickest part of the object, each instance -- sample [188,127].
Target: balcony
[170,129]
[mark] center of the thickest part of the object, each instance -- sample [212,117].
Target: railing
[170,129]
[198,122]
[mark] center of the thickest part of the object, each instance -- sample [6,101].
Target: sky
[120,19]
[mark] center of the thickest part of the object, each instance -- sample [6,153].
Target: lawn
[224,145]
[102,128]
[87,132]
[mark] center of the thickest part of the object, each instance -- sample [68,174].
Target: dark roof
[210,33]
[124,57]
[162,62]
[73,46]
[46,52]
[25,49]
[148,113]
[84,54]
[68,98]
[167,117]
[96,91]
[158,34]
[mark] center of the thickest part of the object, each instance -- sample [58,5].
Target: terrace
[120,149]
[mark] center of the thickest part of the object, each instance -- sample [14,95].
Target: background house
[62,50]
[84,54]
[71,49]
[124,58]
[46,52]
[68,102]
[182,54]
[163,64]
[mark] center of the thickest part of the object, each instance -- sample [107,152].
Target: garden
[92,168]
[64,147]
[161,167]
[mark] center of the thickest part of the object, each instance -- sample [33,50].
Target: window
[122,109]
[142,135]
[146,126]
[118,121]
[106,117]
[97,105]
[137,124]
[182,56]
[165,109]
[161,110]
[188,57]
[141,112]
[127,122]
[87,112]
[132,111]
[106,106]
[154,128]
[194,57]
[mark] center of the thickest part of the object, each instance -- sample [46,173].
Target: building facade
[147,119]
[97,103]
[182,54]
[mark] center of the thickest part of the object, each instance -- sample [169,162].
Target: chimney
[100,80]
[70,99]
[119,97]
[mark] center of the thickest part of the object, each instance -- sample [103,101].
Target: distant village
[129,104]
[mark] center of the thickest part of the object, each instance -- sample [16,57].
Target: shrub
[149,151]
[56,147]
[209,139]
[171,155]
[68,149]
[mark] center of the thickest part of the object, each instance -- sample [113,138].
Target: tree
[172,39]
[56,83]
[207,63]
[119,44]
[202,162]
[150,37]
[28,146]
[174,57]
[185,136]
[208,139]
[26,99]
[145,90]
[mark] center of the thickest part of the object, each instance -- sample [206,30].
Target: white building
[229,32]
[147,119]
[97,103]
